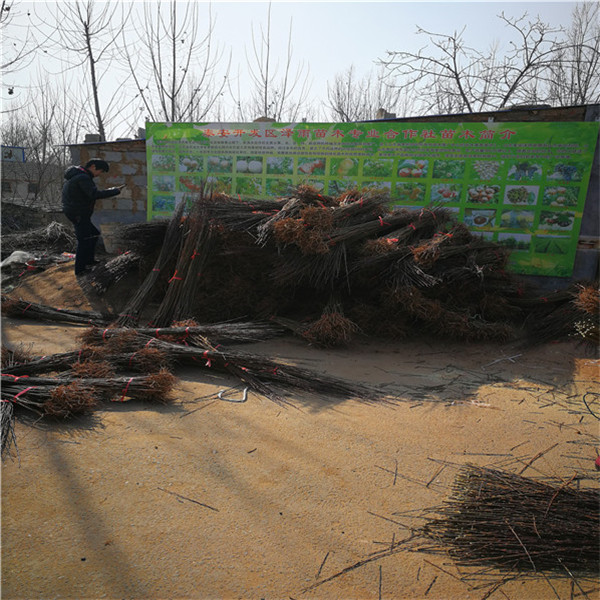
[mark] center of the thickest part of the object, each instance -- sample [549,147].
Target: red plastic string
[23,391]
[122,399]
[104,334]
[26,308]
[15,377]
[382,222]
[156,270]
[194,255]
[174,277]
[413,226]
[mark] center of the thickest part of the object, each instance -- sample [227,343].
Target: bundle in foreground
[512,523]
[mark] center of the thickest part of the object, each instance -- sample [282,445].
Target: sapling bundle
[237,214]
[33,310]
[179,297]
[358,206]
[309,194]
[104,275]
[49,396]
[53,362]
[179,301]
[572,312]
[14,356]
[436,317]
[290,210]
[321,270]
[142,238]
[235,332]
[142,360]
[332,329]
[131,312]
[8,438]
[382,225]
[256,370]
[516,524]
[153,387]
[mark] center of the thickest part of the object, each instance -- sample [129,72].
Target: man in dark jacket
[79,195]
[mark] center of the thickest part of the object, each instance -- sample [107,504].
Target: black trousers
[87,237]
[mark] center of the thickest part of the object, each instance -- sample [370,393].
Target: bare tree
[87,31]
[450,76]
[19,44]
[574,75]
[278,91]
[44,127]
[352,98]
[173,66]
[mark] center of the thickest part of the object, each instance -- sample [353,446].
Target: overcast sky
[329,37]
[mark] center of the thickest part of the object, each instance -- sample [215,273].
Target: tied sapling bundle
[180,297]
[143,360]
[568,313]
[32,310]
[131,313]
[142,238]
[332,329]
[236,332]
[107,274]
[48,396]
[256,370]
[154,387]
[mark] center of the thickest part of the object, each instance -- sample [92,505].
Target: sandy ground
[206,499]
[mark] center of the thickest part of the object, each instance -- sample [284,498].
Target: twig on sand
[322,565]
[188,499]
[360,563]
[587,405]
[430,585]
[536,457]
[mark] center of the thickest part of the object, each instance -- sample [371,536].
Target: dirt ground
[209,499]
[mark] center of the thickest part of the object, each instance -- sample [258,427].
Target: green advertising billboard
[522,185]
